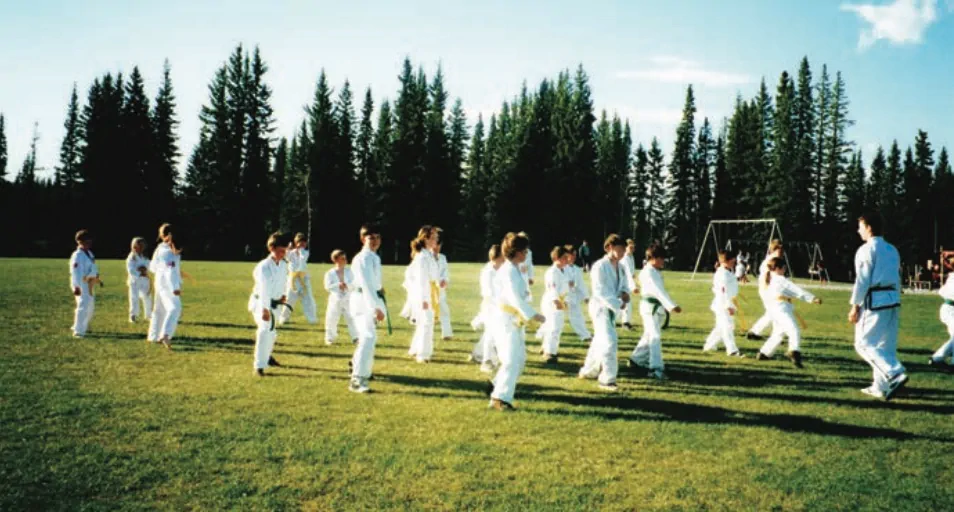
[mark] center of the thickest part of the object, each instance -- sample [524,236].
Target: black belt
[875,289]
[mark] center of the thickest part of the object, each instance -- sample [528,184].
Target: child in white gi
[299,283]
[776,250]
[407,284]
[484,351]
[944,355]
[553,304]
[270,275]
[783,313]
[367,307]
[338,283]
[629,266]
[579,295]
[137,278]
[167,306]
[424,293]
[447,331]
[608,280]
[526,268]
[725,288]
[654,308]
[84,276]
[514,311]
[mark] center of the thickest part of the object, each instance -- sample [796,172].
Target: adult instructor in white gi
[875,308]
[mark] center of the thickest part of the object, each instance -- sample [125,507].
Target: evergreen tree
[911,207]
[3,149]
[382,158]
[257,182]
[655,187]
[295,198]
[583,157]
[67,173]
[364,155]
[920,200]
[761,163]
[780,187]
[822,128]
[280,174]
[408,166]
[723,193]
[879,188]
[324,180]
[943,191]
[136,151]
[26,178]
[804,113]
[436,185]
[705,159]
[854,200]
[638,195]
[162,180]
[475,183]
[681,223]
[623,139]
[457,153]
[492,215]
[837,148]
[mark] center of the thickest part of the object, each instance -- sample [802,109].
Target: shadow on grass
[643,409]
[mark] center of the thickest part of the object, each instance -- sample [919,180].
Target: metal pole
[701,250]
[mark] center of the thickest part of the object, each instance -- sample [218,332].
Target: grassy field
[111,422]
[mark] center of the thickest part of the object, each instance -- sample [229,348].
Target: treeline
[545,162]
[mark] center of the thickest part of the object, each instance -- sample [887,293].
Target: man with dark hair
[875,308]
[584,255]
[367,305]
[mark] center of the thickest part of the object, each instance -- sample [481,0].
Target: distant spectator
[584,256]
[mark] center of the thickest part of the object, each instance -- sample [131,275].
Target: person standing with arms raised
[875,308]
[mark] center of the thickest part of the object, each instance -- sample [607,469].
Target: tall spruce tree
[822,128]
[137,147]
[67,173]
[681,225]
[162,181]
[943,191]
[257,181]
[3,149]
[475,183]
[382,158]
[457,153]
[325,200]
[801,214]
[855,201]
[364,155]
[705,160]
[879,188]
[279,174]
[655,188]
[638,195]
[921,199]
[722,193]
[780,187]
[837,149]
[910,240]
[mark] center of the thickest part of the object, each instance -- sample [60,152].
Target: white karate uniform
[365,301]
[406,284]
[578,295]
[270,281]
[299,289]
[82,267]
[511,289]
[557,288]
[783,314]
[741,266]
[447,330]
[605,302]
[338,303]
[947,317]
[167,306]
[725,287]
[629,266]
[484,350]
[765,320]
[138,286]
[648,352]
[426,275]
[526,268]
[877,290]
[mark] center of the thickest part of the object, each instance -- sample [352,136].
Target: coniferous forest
[546,162]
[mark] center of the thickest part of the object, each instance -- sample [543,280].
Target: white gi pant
[338,306]
[484,349]
[723,332]
[876,341]
[784,324]
[601,359]
[552,328]
[947,350]
[447,331]
[85,303]
[265,334]
[363,361]
[577,320]
[295,293]
[512,351]
[648,351]
[422,343]
[764,321]
[165,315]
[627,313]
[139,293]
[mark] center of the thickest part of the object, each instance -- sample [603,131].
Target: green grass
[112,422]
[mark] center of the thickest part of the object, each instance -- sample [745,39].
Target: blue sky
[640,55]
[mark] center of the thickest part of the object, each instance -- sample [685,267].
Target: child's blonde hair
[136,241]
[773,265]
[337,253]
[494,252]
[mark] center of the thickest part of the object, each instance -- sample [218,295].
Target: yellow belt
[436,298]
[738,309]
[801,321]
[561,300]
[298,278]
[521,321]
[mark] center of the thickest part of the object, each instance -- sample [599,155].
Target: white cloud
[675,70]
[900,22]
